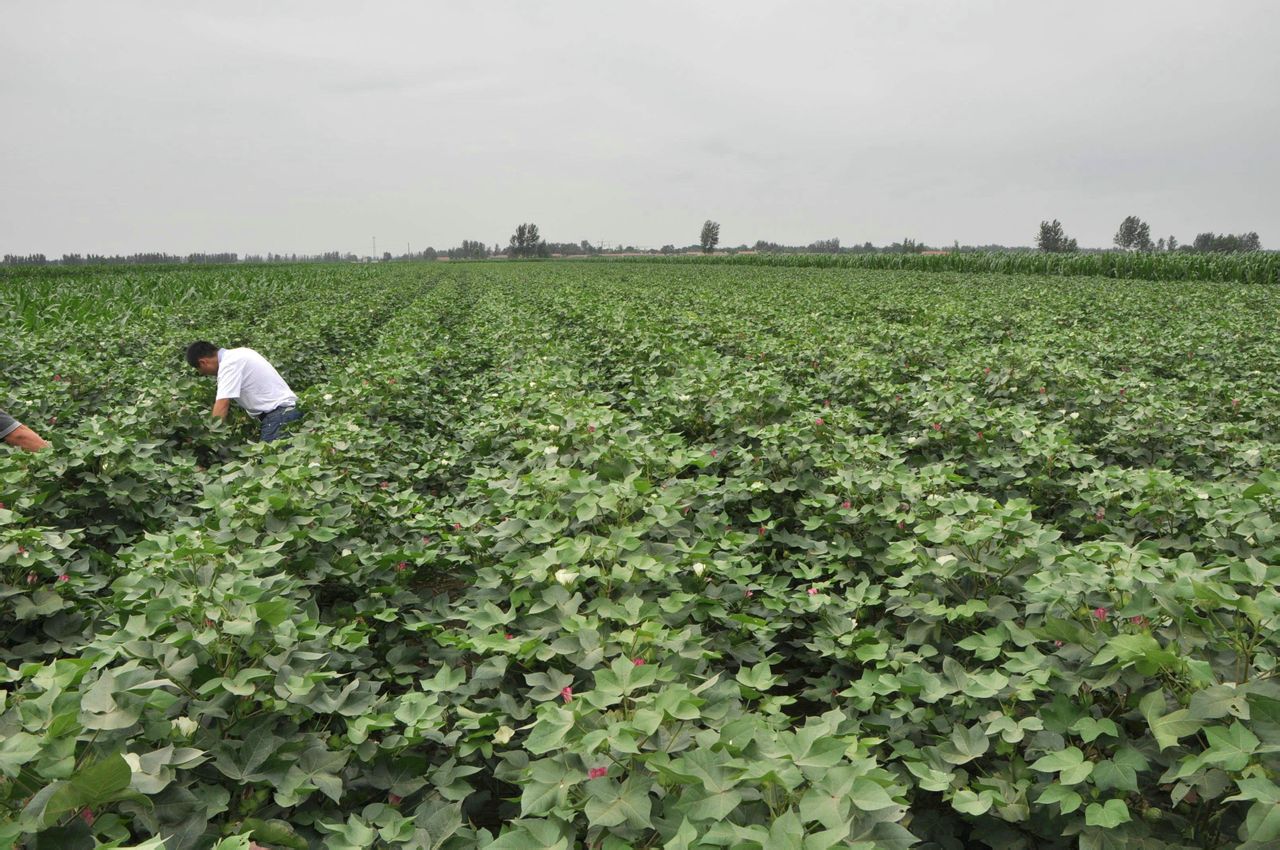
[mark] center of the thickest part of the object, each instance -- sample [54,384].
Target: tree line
[1134,234]
[526,242]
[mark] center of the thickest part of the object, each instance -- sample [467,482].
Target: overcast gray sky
[313,126]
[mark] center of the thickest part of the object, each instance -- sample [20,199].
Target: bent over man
[16,434]
[246,377]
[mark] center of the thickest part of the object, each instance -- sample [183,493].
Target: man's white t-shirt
[246,376]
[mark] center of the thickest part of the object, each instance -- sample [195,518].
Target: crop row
[1247,267]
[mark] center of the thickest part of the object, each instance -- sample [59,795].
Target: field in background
[643,555]
[1251,267]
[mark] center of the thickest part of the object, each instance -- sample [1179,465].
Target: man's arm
[221,408]
[24,438]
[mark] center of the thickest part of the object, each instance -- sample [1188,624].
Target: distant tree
[710,237]
[824,246]
[1134,234]
[526,242]
[1172,243]
[1160,244]
[1225,242]
[1053,240]
[470,249]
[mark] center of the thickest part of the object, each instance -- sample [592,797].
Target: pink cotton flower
[591,429]
[32,578]
[714,453]
[639,662]
[1057,643]
[394,799]
[846,504]
[402,566]
[937,426]
[384,485]
[1138,620]
[508,635]
[1042,391]
[818,421]
[567,693]
[86,815]
[813,591]
[762,531]
[1100,513]
[750,593]
[64,577]
[1100,613]
[457,526]
[597,772]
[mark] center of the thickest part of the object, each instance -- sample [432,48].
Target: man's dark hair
[197,351]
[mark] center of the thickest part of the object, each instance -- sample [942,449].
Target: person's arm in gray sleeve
[20,436]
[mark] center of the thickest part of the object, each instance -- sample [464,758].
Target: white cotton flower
[550,450]
[328,396]
[565,577]
[699,568]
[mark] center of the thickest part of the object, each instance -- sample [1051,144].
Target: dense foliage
[1250,267]
[642,555]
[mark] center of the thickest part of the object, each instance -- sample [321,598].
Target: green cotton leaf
[547,686]
[927,778]
[1257,788]
[683,838]
[445,680]
[532,834]
[273,612]
[273,832]
[1229,746]
[550,729]
[1167,728]
[759,677]
[1262,825]
[1068,801]
[102,780]
[1107,815]
[17,749]
[1089,729]
[546,787]
[964,745]
[785,833]
[612,804]
[1108,775]
[1069,764]
[1140,650]
[969,803]
[869,796]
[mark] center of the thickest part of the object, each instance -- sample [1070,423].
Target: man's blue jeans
[273,422]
